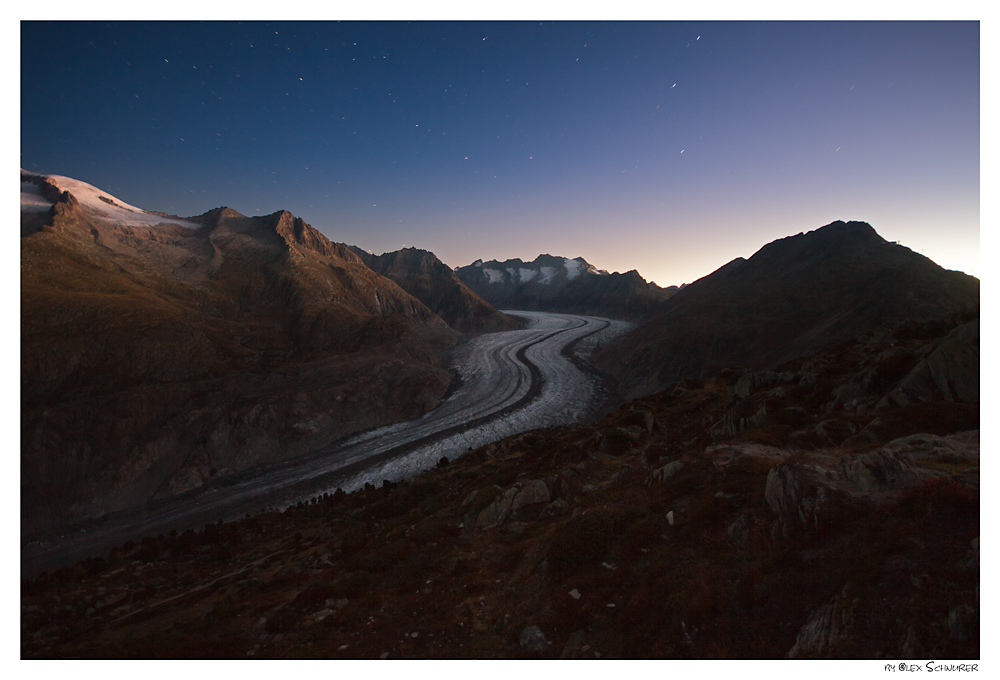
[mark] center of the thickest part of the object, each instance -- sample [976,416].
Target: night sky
[665,147]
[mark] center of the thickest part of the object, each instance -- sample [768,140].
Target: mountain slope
[559,284]
[639,536]
[793,296]
[425,277]
[158,353]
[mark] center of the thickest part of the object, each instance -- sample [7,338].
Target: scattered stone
[574,646]
[620,475]
[533,639]
[910,645]
[342,648]
[739,531]
[959,619]
[670,518]
[554,508]
[575,594]
[384,655]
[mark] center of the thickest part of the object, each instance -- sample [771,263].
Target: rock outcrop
[826,629]
[949,371]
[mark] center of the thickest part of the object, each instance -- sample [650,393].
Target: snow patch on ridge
[528,274]
[495,275]
[548,273]
[572,268]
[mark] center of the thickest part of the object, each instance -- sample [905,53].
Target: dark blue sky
[666,147]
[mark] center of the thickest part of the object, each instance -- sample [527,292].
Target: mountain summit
[424,276]
[793,296]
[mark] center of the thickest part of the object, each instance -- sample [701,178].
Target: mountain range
[562,284]
[162,352]
[159,352]
[793,470]
[431,281]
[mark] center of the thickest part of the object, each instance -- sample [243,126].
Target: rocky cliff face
[421,274]
[792,297]
[559,284]
[155,357]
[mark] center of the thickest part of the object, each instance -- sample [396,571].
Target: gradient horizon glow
[666,147]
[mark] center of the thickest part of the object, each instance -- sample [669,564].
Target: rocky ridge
[421,274]
[155,357]
[794,296]
[558,284]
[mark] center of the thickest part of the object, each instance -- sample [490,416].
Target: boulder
[664,473]
[513,499]
[826,629]
[496,512]
[530,493]
[533,639]
[573,649]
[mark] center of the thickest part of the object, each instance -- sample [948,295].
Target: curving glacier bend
[495,399]
[511,382]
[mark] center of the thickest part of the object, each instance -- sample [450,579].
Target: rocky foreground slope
[561,284]
[159,352]
[828,509]
[794,296]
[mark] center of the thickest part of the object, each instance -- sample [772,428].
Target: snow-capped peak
[99,203]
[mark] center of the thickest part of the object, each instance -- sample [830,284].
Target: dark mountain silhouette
[156,355]
[793,296]
[559,284]
[421,274]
